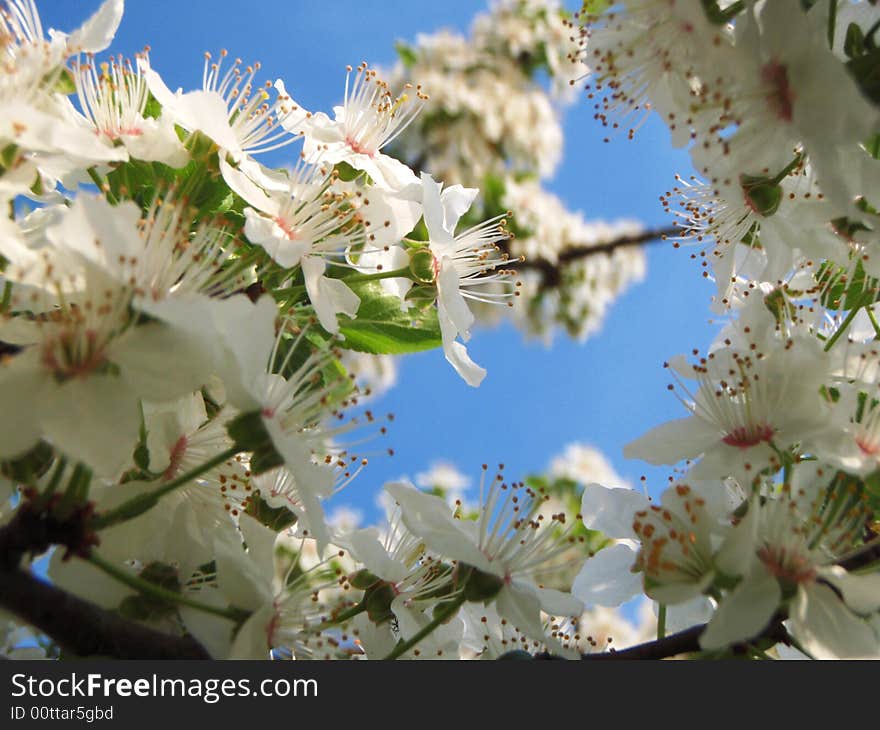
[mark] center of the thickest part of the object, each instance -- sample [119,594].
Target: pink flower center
[289,230]
[780,97]
[867,447]
[115,134]
[177,454]
[744,437]
[358,148]
[790,566]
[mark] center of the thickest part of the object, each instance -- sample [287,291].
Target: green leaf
[381,327]
[406,54]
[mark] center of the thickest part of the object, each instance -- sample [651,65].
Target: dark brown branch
[683,642]
[552,272]
[86,629]
[863,557]
[76,624]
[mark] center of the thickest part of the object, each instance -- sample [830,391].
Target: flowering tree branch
[682,642]
[552,272]
[86,629]
[76,624]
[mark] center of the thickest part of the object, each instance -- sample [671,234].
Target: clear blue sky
[534,400]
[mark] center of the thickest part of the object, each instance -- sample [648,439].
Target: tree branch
[552,272]
[86,629]
[683,642]
[76,624]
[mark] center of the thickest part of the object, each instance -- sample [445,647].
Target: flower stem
[661,621]
[874,323]
[140,504]
[147,588]
[442,616]
[340,617]
[395,274]
[843,327]
[103,185]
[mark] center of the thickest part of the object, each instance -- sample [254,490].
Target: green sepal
[481,587]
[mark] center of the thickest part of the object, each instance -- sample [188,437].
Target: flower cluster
[178,324]
[768,528]
[490,122]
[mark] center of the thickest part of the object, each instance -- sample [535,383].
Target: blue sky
[534,400]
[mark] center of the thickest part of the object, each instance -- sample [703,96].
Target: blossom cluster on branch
[490,122]
[178,323]
[773,505]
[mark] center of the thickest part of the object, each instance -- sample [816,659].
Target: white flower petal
[606,579]
[827,629]
[611,510]
[744,612]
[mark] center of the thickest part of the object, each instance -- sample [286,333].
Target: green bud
[854,43]
[249,432]
[421,294]
[145,608]
[162,575]
[363,579]
[30,465]
[65,83]
[276,518]
[482,586]
[762,194]
[421,264]
[346,172]
[9,156]
[265,459]
[378,600]
[142,457]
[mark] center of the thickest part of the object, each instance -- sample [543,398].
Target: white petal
[245,188]
[244,583]
[328,296]
[158,142]
[827,629]
[98,31]
[430,518]
[860,592]
[611,510]
[523,609]
[267,233]
[456,200]
[251,641]
[211,631]
[456,353]
[449,297]
[109,408]
[744,612]
[367,549]
[558,603]
[606,579]
[20,385]
[671,442]
[432,210]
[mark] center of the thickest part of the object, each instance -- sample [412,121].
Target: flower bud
[421,264]
[30,465]
[482,586]
[762,195]
[378,600]
[363,579]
